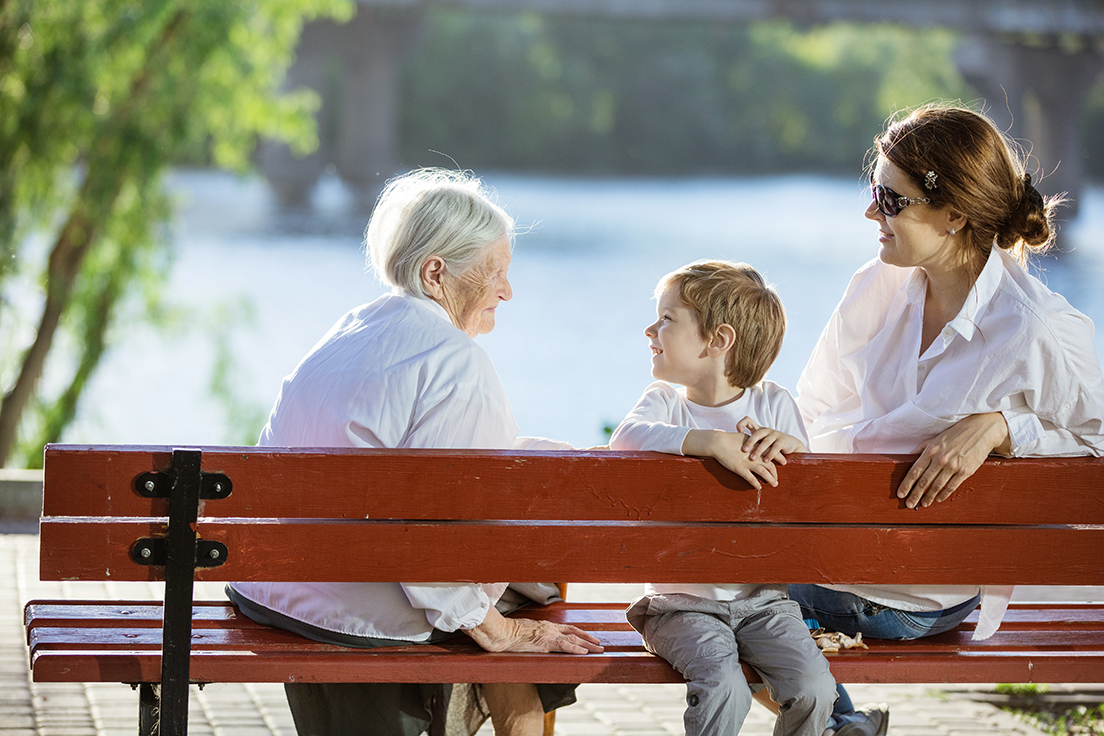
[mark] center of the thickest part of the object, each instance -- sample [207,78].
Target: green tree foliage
[96,100]
[614,96]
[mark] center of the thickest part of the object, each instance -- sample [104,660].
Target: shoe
[876,722]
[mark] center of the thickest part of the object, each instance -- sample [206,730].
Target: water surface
[569,346]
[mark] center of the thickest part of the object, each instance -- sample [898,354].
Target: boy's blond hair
[727,293]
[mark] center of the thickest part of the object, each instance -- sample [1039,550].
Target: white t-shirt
[1015,347]
[664,416]
[394,373]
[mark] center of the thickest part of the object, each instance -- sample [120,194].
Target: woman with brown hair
[944,345]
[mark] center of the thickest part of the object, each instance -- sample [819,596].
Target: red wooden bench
[225,514]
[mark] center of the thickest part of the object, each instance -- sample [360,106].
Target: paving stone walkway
[99,709]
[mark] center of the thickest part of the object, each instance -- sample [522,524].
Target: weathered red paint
[580,516]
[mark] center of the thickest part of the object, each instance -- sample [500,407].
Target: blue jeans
[848,613]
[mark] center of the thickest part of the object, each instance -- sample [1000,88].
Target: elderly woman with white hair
[404,371]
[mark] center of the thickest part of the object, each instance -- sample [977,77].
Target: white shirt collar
[980,295]
[982,292]
[426,302]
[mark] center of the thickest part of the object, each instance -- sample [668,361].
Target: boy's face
[676,342]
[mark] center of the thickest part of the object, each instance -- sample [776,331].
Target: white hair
[432,212]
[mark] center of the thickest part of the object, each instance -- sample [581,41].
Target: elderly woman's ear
[433,273]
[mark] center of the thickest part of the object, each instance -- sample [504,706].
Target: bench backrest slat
[445,516]
[593,486]
[444,552]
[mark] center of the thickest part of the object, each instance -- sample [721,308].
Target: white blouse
[664,416]
[394,373]
[1015,347]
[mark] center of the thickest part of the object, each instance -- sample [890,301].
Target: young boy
[719,328]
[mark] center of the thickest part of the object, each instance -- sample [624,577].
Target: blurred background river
[255,285]
[184,184]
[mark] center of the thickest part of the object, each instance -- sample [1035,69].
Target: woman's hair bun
[1030,220]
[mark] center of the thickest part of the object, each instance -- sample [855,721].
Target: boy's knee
[717,670]
[812,691]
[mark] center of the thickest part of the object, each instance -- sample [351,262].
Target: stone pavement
[108,709]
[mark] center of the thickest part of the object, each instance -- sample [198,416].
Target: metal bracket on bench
[154,551]
[159,485]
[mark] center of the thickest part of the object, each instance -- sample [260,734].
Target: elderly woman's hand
[953,456]
[500,634]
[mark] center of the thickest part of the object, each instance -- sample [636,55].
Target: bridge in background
[1033,61]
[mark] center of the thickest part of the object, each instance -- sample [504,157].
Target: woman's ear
[723,339]
[433,274]
[956,221]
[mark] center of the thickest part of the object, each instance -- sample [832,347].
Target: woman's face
[919,235]
[471,297]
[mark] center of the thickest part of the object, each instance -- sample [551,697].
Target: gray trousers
[706,640]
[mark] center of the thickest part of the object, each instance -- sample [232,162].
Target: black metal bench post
[164,710]
[180,564]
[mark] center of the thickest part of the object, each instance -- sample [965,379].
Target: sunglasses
[889,202]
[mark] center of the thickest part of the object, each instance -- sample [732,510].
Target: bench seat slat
[464,484]
[623,667]
[591,616]
[430,552]
[227,647]
[126,613]
[274,640]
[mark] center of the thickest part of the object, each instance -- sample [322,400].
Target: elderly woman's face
[471,297]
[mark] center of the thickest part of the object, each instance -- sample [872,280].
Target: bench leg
[549,723]
[148,714]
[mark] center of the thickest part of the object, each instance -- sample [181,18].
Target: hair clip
[929,180]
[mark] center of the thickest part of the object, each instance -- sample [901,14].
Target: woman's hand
[728,449]
[500,634]
[767,443]
[953,456]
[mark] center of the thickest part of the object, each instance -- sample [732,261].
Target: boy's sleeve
[649,426]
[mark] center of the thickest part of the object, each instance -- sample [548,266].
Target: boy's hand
[727,449]
[766,443]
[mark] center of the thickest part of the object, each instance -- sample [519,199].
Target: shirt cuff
[1024,428]
[540,443]
[450,607]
